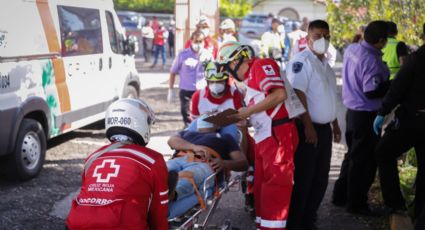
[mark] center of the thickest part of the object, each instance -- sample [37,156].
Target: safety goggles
[217,76]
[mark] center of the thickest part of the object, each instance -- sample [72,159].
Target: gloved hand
[377,124]
[171,95]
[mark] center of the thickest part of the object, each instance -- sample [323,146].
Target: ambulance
[62,62]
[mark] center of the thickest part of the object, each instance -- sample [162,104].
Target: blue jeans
[200,172]
[231,129]
[160,49]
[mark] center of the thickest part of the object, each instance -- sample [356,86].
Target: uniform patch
[268,69]
[376,80]
[297,67]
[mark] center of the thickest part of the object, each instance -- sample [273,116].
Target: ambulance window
[113,35]
[81,31]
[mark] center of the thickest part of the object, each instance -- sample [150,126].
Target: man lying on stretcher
[199,154]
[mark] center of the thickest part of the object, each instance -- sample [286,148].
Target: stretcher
[187,213]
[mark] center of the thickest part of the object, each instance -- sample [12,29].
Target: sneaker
[152,66]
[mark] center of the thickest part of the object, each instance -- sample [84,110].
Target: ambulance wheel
[130,92]
[30,150]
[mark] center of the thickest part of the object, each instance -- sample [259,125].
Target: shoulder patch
[297,67]
[268,69]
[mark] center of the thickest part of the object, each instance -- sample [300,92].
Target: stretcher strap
[189,176]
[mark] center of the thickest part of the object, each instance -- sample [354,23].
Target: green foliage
[348,15]
[235,8]
[151,6]
[228,8]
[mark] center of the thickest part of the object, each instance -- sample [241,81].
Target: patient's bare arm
[178,143]
[237,163]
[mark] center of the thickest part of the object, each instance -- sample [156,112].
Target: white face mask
[206,31]
[216,88]
[227,36]
[196,47]
[321,46]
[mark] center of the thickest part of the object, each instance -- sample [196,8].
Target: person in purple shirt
[365,82]
[188,65]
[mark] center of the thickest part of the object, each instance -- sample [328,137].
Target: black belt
[280,121]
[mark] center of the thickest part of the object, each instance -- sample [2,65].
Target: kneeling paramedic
[124,184]
[275,134]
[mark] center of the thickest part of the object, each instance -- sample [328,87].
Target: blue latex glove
[377,124]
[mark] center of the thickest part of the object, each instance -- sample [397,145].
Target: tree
[347,15]
[235,8]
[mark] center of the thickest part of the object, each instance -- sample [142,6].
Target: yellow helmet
[214,72]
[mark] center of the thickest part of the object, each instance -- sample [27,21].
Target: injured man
[201,153]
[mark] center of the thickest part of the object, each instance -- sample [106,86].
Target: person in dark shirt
[406,130]
[202,145]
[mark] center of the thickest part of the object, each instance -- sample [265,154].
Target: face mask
[227,37]
[321,46]
[206,31]
[196,47]
[216,88]
[281,29]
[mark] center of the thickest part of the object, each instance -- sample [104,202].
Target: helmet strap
[235,70]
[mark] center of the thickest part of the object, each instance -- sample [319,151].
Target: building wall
[304,8]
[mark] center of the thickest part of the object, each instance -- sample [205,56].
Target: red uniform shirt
[230,94]
[264,75]
[124,188]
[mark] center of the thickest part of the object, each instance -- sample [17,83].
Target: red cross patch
[268,69]
[106,170]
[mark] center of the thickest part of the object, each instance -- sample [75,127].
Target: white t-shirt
[317,80]
[147,32]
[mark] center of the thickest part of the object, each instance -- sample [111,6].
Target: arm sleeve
[175,67]
[267,75]
[402,49]
[399,86]
[194,107]
[297,75]
[158,212]
[231,143]
[237,100]
[374,78]
[187,45]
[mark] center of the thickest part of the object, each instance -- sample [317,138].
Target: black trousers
[399,137]
[185,100]
[147,48]
[358,168]
[312,165]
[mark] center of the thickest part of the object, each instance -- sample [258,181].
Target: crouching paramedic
[199,154]
[275,134]
[220,95]
[124,184]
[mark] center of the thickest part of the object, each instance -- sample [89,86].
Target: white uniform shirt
[317,80]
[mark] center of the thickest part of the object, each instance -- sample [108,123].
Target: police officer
[314,82]
[406,130]
[395,51]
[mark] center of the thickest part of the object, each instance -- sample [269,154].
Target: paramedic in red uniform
[124,184]
[220,95]
[275,134]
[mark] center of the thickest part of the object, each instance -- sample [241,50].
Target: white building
[292,9]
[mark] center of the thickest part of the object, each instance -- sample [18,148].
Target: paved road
[43,203]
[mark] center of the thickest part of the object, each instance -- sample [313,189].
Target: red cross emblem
[106,170]
[268,69]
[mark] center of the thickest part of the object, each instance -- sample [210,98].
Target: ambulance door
[117,61]
[82,53]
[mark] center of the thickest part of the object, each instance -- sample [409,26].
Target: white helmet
[131,118]
[227,24]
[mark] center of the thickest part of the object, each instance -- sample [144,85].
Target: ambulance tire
[30,150]
[130,92]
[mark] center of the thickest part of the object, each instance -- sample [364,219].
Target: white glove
[171,95]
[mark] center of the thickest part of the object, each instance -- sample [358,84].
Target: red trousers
[274,171]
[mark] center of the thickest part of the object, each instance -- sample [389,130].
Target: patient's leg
[198,172]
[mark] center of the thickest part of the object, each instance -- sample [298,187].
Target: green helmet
[213,72]
[232,50]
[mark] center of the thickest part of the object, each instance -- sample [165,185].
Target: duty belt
[280,121]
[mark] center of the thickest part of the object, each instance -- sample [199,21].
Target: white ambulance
[62,62]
